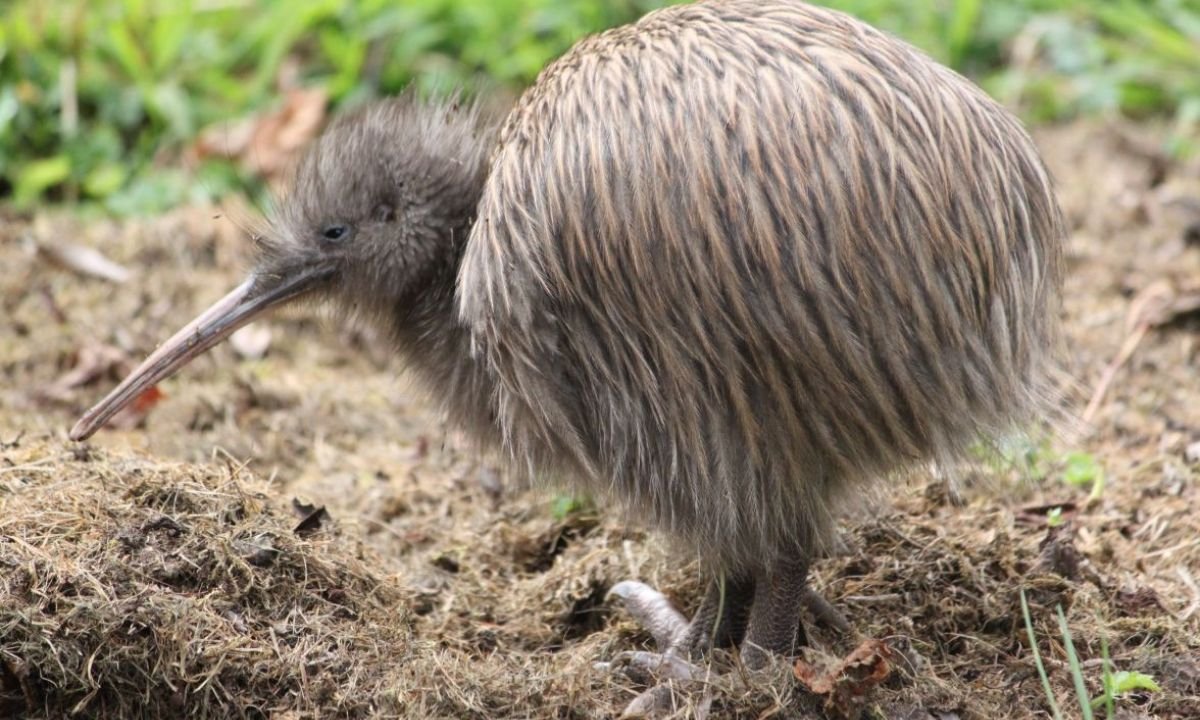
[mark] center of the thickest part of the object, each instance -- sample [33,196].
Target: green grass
[1114,684]
[98,98]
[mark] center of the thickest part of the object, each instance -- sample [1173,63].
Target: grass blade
[1037,659]
[1109,711]
[1085,704]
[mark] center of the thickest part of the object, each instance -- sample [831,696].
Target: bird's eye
[335,232]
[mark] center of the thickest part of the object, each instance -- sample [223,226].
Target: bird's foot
[760,616]
[672,684]
[670,674]
[674,634]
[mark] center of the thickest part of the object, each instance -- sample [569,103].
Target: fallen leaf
[259,550]
[92,362]
[251,342]
[147,399]
[301,508]
[1136,601]
[312,517]
[844,686]
[227,140]
[312,523]
[1037,514]
[135,412]
[1057,552]
[268,142]
[83,260]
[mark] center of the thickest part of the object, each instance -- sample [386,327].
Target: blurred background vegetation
[100,100]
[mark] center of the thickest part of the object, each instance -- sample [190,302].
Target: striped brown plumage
[739,259]
[730,266]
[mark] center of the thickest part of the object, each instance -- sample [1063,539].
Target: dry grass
[138,588]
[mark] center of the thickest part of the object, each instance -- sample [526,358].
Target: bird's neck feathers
[424,322]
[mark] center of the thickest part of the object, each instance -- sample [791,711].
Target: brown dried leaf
[1037,515]
[83,260]
[844,686]
[1057,552]
[278,136]
[301,508]
[1140,600]
[812,678]
[311,521]
[135,412]
[92,362]
[267,143]
[251,342]
[227,140]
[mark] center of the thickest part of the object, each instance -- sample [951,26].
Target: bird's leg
[720,621]
[775,626]
[765,612]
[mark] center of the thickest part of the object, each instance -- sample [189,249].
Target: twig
[1144,312]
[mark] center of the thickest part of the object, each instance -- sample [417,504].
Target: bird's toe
[667,700]
[649,667]
[654,612]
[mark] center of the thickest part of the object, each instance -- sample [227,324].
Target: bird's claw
[663,701]
[672,682]
[652,611]
[647,667]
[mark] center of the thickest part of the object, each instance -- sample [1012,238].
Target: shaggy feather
[728,265]
[741,258]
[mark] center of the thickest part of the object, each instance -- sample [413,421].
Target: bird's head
[378,210]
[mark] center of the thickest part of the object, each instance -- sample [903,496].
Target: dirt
[432,587]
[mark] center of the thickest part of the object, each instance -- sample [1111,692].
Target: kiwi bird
[730,265]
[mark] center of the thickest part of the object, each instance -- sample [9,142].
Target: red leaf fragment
[147,399]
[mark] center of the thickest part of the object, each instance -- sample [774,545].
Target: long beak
[249,300]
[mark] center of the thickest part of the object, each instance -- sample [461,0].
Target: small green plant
[565,506]
[1029,458]
[1054,518]
[1081,469]
[1115,684]
[1120,682]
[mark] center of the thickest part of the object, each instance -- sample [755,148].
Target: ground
[177,562]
